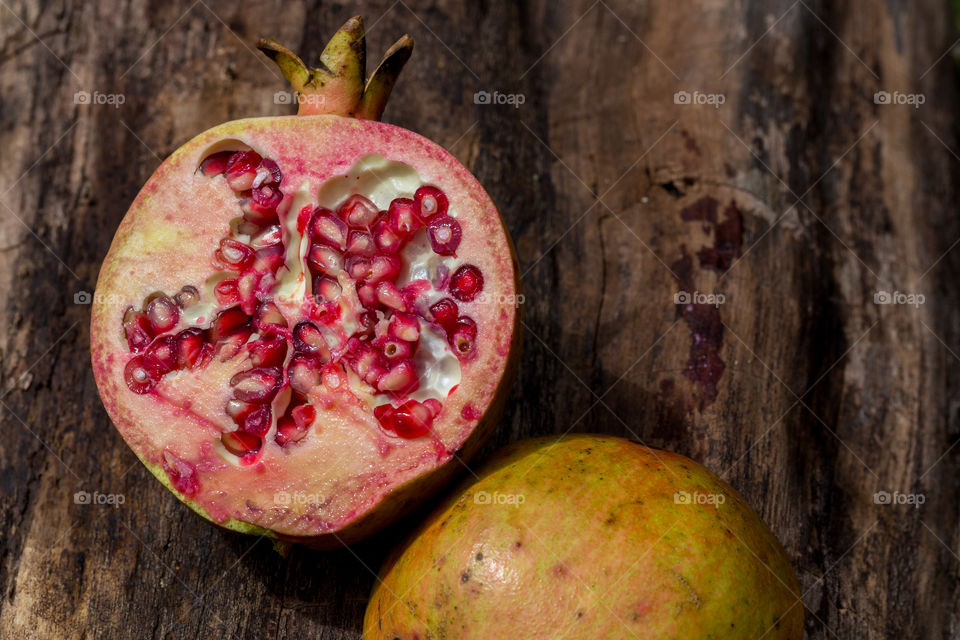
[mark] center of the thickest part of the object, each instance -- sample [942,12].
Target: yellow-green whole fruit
[589,537]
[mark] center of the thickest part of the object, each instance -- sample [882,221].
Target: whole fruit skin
[168,239]
[583,538]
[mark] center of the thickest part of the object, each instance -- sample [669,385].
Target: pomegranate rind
[178,219]
[586,537]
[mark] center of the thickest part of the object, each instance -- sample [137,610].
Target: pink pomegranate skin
[348,477]
[583,538]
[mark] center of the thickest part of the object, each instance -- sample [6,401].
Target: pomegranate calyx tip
[337,85]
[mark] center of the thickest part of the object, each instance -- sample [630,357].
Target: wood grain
[797,199]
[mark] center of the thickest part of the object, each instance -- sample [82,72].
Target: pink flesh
[346,463]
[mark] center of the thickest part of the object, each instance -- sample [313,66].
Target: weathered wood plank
[822,198]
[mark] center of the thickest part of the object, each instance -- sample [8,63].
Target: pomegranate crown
[338,85]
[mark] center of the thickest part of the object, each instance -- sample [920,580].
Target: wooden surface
[798,199]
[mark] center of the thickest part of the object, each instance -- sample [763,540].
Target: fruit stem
[337,85]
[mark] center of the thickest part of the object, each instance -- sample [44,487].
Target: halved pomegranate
[288,330]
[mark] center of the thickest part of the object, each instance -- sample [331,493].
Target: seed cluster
[355,251]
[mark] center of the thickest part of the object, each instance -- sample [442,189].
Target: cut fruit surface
[265,336]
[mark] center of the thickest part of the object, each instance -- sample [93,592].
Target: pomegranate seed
[268,237]
[414,294]
[434,406]
[358,212]
[386,238]
[463,336]
[240,444]
[256,385]
[326,289]
[304,374]
[308,339]
[376,372]
[404,217]
[137,328]
[358,268]
[366,360]
[268,172]
[389,296]
[360,243]
[444,233]
[329,230]
[265,199]
[366,327]
[234,255]
[269,318]
[289,432]
[431,200]
[383,412]
[247,285]
[141,374]
[268,259]
[182,474]
[325,259]
[466,283]
[405,326]
[241,170]
[215,164]
[303,415]
[397,349]
[190,348]
[445,312]
[384,268]
[410,420]
[232,344]
[238,410]
[303,218]
[162,354]
[368,295]
[226,292]
[162,312]
[332,376]
[402,378]
[268,351]
[227,323]
[257,422]
[187,297]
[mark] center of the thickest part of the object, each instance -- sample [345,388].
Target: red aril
[291,302]
[358,212]
[328,229]
[404,217]
[241,170]
[466,282]
[431,201]
[445,312]
[190,348]
[444,233]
